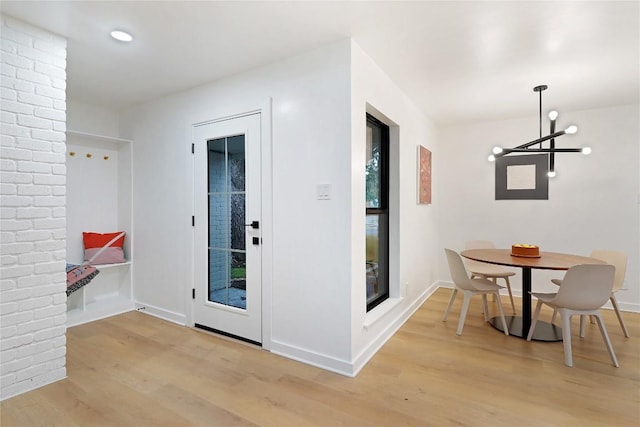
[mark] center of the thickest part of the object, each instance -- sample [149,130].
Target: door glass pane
[238,283]
[217,158]
[237,222]
[227,231]
[218,275]
[219,221]
[236,163]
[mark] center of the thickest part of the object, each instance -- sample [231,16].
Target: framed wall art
[424,176]
[522,177]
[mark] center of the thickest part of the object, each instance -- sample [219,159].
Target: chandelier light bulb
[536,145]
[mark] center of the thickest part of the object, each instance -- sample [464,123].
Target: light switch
[323,191]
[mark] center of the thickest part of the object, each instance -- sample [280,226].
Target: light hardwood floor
[136,370]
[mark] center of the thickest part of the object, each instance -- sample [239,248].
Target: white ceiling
[459,61]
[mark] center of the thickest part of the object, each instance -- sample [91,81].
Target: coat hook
[89,155]
[106,157]
[72,153]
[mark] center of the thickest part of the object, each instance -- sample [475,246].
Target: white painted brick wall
[32,214]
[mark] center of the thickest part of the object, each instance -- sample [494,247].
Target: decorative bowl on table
[525,250]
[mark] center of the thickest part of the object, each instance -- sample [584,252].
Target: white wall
[32,292]
[90,118]
[310,248]
[93,204]
[319,102]
[414,239]
[594,202]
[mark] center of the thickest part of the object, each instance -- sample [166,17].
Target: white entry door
[228,288]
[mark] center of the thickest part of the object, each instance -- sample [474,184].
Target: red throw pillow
[94,242]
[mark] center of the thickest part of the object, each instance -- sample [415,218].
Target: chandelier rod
[540,89]
[553,134]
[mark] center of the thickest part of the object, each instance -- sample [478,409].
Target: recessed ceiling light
[121,36]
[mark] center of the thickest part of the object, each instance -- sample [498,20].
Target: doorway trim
[266,224]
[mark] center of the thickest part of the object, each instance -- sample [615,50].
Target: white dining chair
[585,288]
[470,287]
[492,272]
[619,261]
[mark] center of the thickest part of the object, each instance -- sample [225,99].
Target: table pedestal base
[544,331]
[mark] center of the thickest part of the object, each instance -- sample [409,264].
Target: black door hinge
[193,148]
[193,293]
[193,221]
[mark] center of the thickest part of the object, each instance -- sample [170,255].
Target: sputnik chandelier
[552,150]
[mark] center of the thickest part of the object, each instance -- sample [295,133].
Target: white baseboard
[339,366]
[376,344]
[624,306]
[180,319]
[349,368]
[346,367]
[33,383]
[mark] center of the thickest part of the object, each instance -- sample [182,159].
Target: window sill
[380,311]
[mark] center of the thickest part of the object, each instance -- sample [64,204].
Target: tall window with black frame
[377,212]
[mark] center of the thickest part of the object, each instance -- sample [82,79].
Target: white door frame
[266,224]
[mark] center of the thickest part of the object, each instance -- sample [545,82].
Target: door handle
[254,224]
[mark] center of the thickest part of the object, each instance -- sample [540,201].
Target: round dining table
[519,326]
